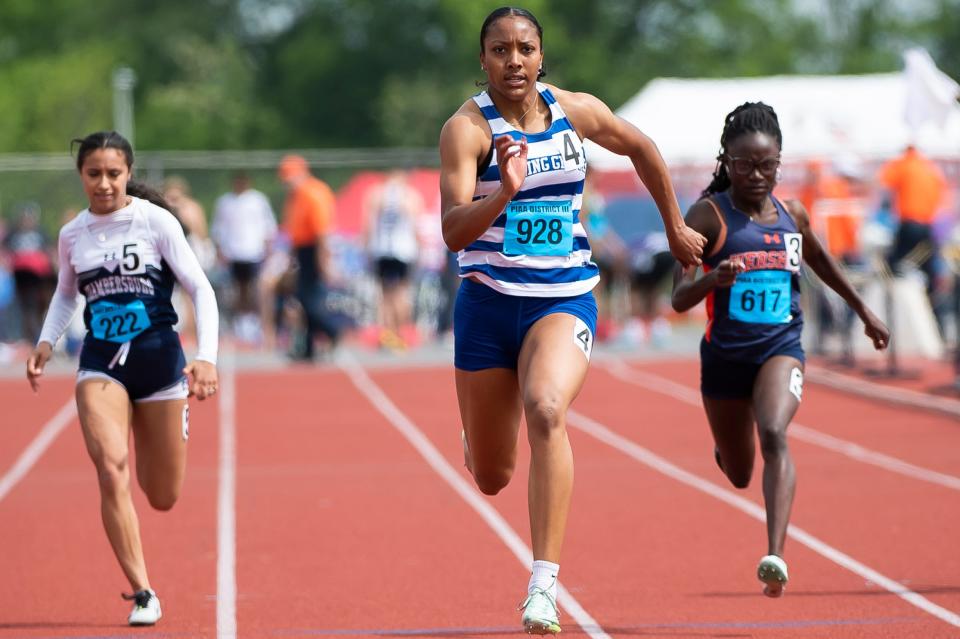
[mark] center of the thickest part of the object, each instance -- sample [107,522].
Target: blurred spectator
[7,299]
[650,267]
[31,262]
[308,219]
[243,229]
[918,188]
[609,253]
[390,236]
[176,190]
[276,290]
[951,253]
[430,298]
[835,200]
[188,211]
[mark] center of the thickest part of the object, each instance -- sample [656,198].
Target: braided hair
[749,117]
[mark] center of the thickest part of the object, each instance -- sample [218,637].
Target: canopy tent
[820,116]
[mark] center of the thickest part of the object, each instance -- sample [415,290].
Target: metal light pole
[124,79]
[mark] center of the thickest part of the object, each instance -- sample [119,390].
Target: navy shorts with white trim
[155,361]
[722,378]
[489,326]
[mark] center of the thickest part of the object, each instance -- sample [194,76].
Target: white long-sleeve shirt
[132,254]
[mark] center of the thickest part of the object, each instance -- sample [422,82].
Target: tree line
[268,74]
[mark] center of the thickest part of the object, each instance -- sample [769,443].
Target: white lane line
[882,392]
[653,382]
[468,493]
[654,461]
[226,504]
[37,447]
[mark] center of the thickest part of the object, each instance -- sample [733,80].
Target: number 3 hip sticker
[794,245]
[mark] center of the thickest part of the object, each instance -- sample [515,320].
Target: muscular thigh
[554,360]
[490,410]
[777,391]
[160,436]
[104,411]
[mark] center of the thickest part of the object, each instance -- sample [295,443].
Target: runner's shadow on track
[657,631]
[919,589]
[54,625]
[568,630]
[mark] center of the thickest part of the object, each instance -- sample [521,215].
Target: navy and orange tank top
[759,316]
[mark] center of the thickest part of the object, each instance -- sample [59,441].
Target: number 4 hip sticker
[583,338]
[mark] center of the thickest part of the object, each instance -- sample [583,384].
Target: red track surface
[342,528]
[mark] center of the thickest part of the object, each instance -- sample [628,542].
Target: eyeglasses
[745,166]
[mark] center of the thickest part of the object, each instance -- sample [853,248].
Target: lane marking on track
[654,461]
[226,503]
[422,444]
[664,386]
[35,449]
[882,392]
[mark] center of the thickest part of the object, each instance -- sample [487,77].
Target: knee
[162,500]
[545,415]
[773,442]
[492,481]
[113,475]
[740,480]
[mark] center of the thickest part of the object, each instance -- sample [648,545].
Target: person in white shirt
[243,229]
[391,215]
[123,254]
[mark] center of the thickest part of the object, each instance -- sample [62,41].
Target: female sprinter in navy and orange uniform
[511,184]
[751,357]
[123,254]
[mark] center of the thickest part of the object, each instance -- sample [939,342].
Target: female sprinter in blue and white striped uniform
[512,172]
[751,356]
[123,254]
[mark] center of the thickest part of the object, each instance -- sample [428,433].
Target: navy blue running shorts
[155,362]
[489,326]
[722,378]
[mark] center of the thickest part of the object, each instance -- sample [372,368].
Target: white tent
[820,116]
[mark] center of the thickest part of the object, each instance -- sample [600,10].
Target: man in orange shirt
[308,220]
[918,189]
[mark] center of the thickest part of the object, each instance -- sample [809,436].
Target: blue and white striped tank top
[537,246]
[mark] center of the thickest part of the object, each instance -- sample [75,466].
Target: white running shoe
[540,614]
[146,608]
[772,571]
